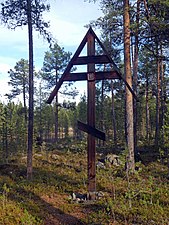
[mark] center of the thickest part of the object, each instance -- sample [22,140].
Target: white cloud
[67,19]
[4,68]
[10,37]
[67,34]
[6,63]
[4,89]
[75,11]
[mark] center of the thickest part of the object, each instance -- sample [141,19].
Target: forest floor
[139,198]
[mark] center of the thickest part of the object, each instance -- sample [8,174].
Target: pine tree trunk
[102,113]
[157,130]
[40,113]
[147,111]
[135,75]
[162,109]
[30,118]
[129,97]
[56,118]
[24,104]
[113,116]
[56,109]
[5,133]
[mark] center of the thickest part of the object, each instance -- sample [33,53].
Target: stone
[100,165]
[113,159]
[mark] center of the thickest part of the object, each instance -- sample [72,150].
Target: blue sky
[67,19]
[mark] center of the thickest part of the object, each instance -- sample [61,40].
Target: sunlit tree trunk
[56,118]
[30,118]
[135,75]
[129,97]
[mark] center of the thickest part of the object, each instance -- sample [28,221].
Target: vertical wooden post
[91,119]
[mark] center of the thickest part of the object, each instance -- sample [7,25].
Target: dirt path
[59,211]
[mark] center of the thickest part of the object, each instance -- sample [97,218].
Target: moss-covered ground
[139,198]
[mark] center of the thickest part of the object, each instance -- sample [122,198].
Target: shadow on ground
[34,204]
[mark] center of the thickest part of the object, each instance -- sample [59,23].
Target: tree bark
[129,97]
[102,112]
[162,94]
[147,110]
[91,154]
[113,116]
[157,130]
[5,137]
[56,118]
[30,117]
[24,102]
[56,110]
[40,113]
[135,75]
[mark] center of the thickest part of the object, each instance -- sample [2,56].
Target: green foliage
[55,62]
[13,130]
[82,109]
[5,195]
[14,14]
[44,120]
[28,219]
[19,79]
[166,130]
[64,122]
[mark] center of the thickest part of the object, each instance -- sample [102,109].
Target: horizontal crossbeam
[91,130]
[98,76]
[96,59]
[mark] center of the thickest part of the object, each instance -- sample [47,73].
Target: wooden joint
[91,77]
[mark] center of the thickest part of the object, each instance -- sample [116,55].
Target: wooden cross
[91,76]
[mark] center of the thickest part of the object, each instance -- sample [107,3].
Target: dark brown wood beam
[113,63]
[91,89]
[68,68]
[98,76]
[97,59]
[90,130]
[79,60]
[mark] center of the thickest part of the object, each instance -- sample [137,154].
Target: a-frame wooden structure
[91,76]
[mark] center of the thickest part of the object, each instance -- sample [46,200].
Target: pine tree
[19,13]
[19,80]
[129,98]
[55,61]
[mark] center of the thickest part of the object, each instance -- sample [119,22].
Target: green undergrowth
[139,198]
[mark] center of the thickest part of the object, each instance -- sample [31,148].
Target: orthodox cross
[91,76]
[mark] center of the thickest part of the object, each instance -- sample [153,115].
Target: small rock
[99,194]
[100,165]
[79,198]
[113,159]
